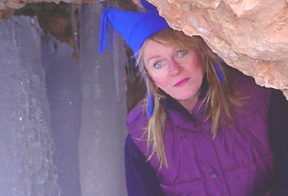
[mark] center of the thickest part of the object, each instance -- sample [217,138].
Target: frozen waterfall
[62,116]
[27,150]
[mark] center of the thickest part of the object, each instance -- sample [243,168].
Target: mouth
[182,82]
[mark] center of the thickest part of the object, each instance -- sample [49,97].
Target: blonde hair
[219,96]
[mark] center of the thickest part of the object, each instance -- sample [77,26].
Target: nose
[174,67]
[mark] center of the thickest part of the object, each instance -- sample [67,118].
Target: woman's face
[177,71]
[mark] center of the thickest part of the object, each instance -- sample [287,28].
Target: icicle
[74,28]
[116,64]
[131,65]
[55,47]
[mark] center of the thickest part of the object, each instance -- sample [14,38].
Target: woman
[208,129]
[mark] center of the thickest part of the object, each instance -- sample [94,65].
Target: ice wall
[27,166]
[64,95]
[62,117]
[103,131]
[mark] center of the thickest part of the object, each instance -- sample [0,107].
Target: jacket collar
[183,119]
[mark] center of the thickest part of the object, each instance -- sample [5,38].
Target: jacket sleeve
[141,179]
[278,130]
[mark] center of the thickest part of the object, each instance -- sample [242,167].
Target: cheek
[196,60]
[197,67]
[199,70]
[159,80]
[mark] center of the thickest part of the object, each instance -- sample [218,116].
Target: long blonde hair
[219,96]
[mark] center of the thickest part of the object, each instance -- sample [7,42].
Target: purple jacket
[237,162]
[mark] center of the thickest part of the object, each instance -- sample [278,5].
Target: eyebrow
[153,57]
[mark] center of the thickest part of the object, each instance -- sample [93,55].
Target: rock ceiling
[250,35]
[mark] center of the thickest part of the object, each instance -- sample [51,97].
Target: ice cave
[63,105]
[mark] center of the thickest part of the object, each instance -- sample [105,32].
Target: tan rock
[6,13]
[17,4]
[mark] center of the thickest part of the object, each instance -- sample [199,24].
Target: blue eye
[158,64]
[181,53]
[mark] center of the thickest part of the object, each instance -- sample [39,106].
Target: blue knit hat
[135,27]
[147,5]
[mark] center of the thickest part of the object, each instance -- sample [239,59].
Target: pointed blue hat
[147,5]
[135,27]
